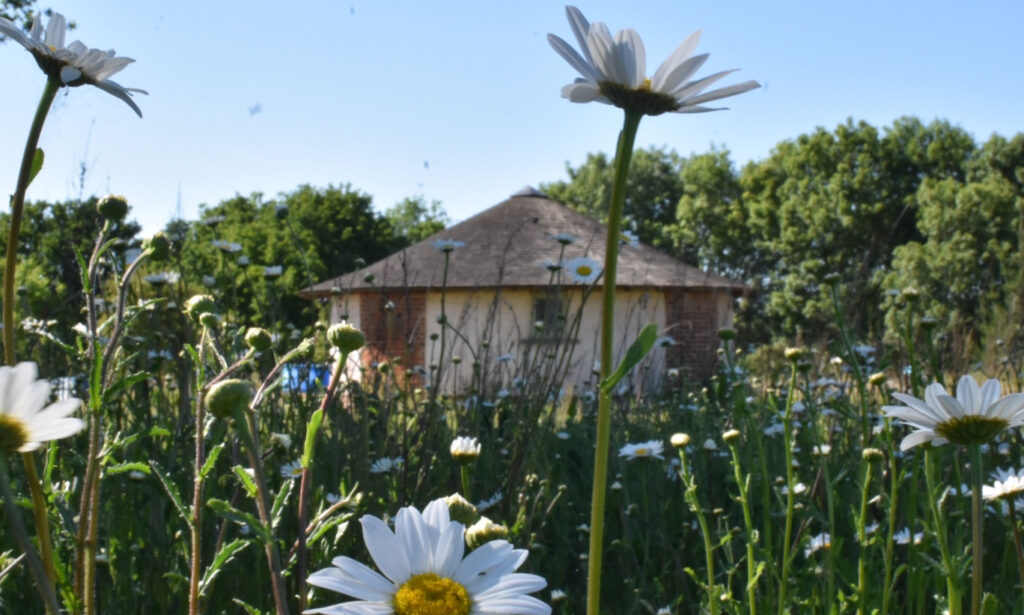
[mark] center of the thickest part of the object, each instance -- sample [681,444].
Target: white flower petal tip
[613,71]
[75,64]
[25,419]
[424,571]
[974,416]
[651,448]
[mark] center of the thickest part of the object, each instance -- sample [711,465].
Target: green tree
[413,219]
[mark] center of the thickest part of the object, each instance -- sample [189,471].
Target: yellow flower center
[641,452]
[971,429]
[429,594]
[646,85]
[584,270]
[13,434]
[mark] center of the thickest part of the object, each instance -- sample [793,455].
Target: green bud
[832,278]
[346,337]
[258,339]
[877,379]
[158,246]
[113,207]
[198,305]
[872,454]
[461,510]
[209,320]
[484,531]
[794,354]
[227,397]
[727,333]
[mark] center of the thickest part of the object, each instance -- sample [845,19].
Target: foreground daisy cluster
[425,573]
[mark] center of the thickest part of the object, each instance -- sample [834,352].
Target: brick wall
[692,319]
[393,333]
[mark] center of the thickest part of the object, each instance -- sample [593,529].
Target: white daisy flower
[583,270]
[226,246]
[24,421]
[975,415]
[629,238]
[465,448]
[490,502]
[292,469]
[1008,484]
[273,271]
[651,448]
[424,571]
[817,543]
[75,64]
[903,537]
[448,245]
[614,71]
[564,238]
[384,465]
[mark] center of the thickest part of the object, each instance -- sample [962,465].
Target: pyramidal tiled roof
[507,246]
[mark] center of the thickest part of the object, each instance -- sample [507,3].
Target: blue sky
[459,101]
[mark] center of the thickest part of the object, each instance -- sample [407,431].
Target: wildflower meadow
[187,427]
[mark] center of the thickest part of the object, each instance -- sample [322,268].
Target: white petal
[414,536]
[55,31]
[673,80]
[581,92]
[520,605]
[603,53]
[918,437]
[573,58]
[990,392]
[926,411]
[10,30]
[121,92]
[450,547]
[514,584]
[385,549]
[55,430]
[664,76]
[354,579]
[725,92]
[436,516]
[580,26]
[968,394]
[632,58]
[931,392]
[355,608]
[951,406]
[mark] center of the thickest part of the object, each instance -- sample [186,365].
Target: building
[512,312]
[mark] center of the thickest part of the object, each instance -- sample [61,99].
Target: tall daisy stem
[10,264]
[977,519]
[623,155]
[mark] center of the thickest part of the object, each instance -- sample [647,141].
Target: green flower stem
[464,471]
[787,427]
[10,264]
[862,540]
[858,376]
[309,448]
[743,484]
[1016,540]
[246,429]
[953,589]
[195,523]
[17,211]
[977,520]
[623,155]
[35,565]
[690,494]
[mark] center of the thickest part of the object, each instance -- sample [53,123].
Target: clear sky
[458,101]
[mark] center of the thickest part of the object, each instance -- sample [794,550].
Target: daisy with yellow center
[24,421]
[613,71]
[583,270]
[974,416]
[651,448]
[425,573]
[75,64]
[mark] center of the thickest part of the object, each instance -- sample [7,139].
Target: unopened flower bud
[877,379]
[227,397]
[726,333]
[209,320]
[794,354]
[113,207]
[484,531]
[680,440]
[731,436]
[831,278]
[258,339]
[198,305]
[158,246]
[346,337]
[873,455]
[461,510]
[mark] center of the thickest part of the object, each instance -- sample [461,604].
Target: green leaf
[989,604]
[83,271]
[311,431]
[172,490]
[226,510]
[339,521]
[128,467]
[643,344]
[157,431]
[225,555]
[277,509]
[123,384]
[251,610]
[247,483]
[211,459]
[37,165]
